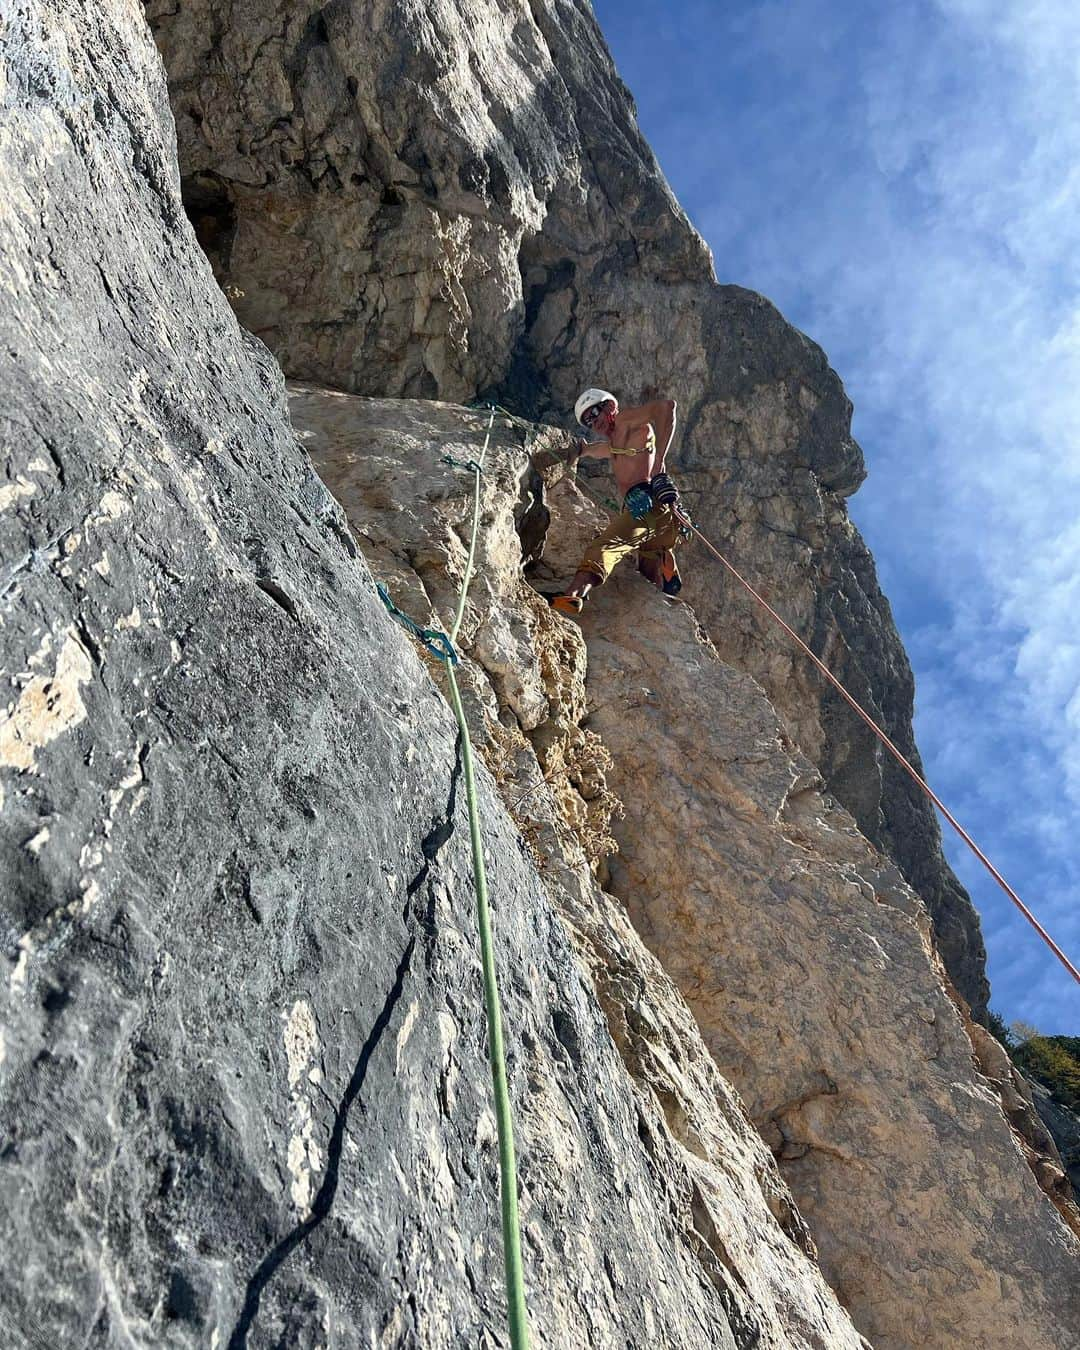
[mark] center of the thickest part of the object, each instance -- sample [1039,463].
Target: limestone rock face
[809,966]
[766,461]
[1064,1125]
[527,701]
[1043,1136]
[243,1089]
[448,196]
[806,959]
[366,174]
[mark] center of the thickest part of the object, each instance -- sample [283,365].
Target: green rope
[511,1228]
[504,412]
[515,1284]
[517,1315]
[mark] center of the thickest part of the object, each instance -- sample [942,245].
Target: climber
[636,440]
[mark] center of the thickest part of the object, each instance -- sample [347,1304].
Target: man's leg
[656,560]
[583,583]
[622,536]
[572,599]
[648,564]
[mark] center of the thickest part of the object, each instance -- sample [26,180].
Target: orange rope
[899,757]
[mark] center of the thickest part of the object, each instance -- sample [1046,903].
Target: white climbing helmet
[589,399]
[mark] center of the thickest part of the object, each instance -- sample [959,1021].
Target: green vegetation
[1053,1061]
[1000,1028]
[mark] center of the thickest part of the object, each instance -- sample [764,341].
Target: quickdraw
[434,639]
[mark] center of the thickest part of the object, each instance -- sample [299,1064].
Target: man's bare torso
[630,432]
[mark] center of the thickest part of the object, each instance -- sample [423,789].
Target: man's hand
[586,449]
[567,454]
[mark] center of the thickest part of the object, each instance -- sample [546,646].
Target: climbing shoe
[670,581]
[567,604]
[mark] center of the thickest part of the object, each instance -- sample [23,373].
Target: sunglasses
[589,416]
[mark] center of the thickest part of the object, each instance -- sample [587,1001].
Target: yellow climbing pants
[653,538]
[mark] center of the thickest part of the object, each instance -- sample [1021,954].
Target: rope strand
[443,646]
[895,752]
[515,1285]
[921,782]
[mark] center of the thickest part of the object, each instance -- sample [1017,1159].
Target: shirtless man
[636,440]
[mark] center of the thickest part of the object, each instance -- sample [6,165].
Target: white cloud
[962,262]
[981,326]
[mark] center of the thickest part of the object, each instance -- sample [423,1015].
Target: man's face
[600,418]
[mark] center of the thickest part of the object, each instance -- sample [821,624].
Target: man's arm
[661,413]
[568,454]
[593,448]
[582,448]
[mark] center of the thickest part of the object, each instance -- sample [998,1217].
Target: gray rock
[803,955]
[453,196]
[1064,1126]
[244,1095]
[365,175]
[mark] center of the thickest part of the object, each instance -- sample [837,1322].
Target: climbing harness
[442,646]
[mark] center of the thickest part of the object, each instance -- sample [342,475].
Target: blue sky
[904,183]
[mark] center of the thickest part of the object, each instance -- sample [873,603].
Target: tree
[1048,1060]
[1023,1031]
[999,1027]
[1053,1061]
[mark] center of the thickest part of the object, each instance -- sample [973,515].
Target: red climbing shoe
[567,604]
